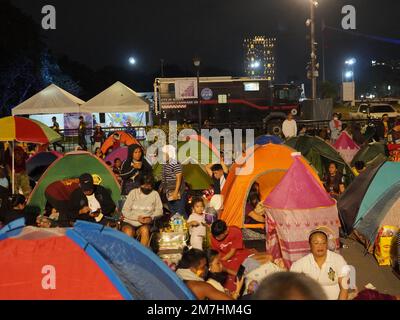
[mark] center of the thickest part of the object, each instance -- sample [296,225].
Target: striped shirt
[170,170]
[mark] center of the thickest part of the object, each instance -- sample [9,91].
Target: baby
[197,224]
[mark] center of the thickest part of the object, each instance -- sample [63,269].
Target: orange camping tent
[125,139]
[266,164]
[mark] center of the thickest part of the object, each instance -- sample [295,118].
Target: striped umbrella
[25,130]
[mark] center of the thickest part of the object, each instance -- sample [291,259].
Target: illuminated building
[259,57]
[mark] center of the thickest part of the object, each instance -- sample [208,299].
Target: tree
[20,45]
[328,90]
[51,73]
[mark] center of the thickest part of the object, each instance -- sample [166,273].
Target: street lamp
[196,63]
[348,81]
[349,74]
[350,62]
[313,72]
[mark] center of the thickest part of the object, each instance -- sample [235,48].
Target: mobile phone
[240,272]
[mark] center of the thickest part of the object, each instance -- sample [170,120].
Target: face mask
[146,191]
[218,276]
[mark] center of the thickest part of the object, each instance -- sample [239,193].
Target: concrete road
[368,270]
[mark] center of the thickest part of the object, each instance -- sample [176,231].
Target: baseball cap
[86,182]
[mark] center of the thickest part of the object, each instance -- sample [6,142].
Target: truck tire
[274,127]
[273,123]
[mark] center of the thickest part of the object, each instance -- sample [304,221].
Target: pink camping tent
[346,147]
[295,207]
[121,153]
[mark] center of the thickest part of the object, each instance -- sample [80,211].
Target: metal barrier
[70,136]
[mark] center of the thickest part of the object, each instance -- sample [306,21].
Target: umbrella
[25,130]
[39,162]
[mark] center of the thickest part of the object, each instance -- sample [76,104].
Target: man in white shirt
[141,207]
[289,127]
[218,173]
[324,266]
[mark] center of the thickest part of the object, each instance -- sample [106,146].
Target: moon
[132,60]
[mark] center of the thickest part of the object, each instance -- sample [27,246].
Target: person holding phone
[192,269]
[217,274]
[90,202]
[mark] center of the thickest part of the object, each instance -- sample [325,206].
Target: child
[117,167]
[197,224]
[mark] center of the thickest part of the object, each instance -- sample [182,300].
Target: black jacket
[217,184]
[78,200]
[128,171]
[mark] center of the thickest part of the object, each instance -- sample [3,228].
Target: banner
[71,123]
[186,89]
[121,119]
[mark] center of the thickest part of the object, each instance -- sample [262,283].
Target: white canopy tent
[117,98]
[51,100]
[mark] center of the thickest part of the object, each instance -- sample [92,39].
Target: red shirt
[234,240]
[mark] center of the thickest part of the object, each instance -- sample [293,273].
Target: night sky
[98,33]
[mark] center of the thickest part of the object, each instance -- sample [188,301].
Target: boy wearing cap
[324,266]
[90,202]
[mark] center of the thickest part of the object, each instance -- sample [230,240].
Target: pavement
[368,270]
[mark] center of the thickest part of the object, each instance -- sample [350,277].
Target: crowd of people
[217,261]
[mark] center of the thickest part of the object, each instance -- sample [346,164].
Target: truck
[225,100]
[373,111]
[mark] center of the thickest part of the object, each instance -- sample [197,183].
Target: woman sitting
[192,269]
[132,167]
[255,211]
[218,275]
[142,206]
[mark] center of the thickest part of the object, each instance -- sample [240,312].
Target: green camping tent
[194,175]
[320,154]
[72,165]
[372,153]
[196,152]
[193,155]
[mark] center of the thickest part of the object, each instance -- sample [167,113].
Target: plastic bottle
[176,222]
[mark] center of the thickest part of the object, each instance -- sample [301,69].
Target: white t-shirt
[289,128]
[327,276]
[222,181]
[199,230]
[93,204]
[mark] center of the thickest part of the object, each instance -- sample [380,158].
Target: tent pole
[13,167]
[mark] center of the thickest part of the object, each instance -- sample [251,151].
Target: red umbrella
[25,130]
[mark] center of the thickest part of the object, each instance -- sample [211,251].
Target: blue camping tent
[371,201]
[92,262]
[265,139]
